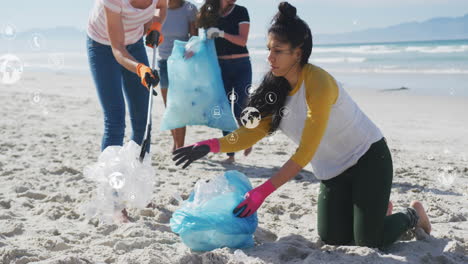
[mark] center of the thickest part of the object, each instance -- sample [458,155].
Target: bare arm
[117,38]
[193,30]
[243,36]
[289,170]
[159,15]
[162,6]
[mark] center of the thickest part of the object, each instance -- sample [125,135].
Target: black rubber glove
[154,81]
[154,36]
[189,154]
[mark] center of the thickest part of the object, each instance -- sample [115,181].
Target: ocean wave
[394,70]
[339,60]
[438,49]
[370,49]
[364,49]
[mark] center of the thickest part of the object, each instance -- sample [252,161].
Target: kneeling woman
[345,148]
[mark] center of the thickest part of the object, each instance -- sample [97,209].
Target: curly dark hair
[209,14]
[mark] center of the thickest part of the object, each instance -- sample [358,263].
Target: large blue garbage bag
[196,93]
[206,222]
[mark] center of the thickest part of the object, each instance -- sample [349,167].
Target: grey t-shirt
[176,26]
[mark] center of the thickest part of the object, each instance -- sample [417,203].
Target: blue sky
[327,16]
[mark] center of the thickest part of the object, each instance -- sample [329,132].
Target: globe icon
[11,69]
[250,117]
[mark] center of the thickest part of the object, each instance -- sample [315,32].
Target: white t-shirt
[348,136]
[133,20]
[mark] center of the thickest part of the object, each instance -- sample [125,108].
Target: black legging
[353,205]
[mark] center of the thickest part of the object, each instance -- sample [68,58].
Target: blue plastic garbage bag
[206,222]
[196,93]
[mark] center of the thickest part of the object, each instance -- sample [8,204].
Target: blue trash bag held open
[206,222]
[196,93]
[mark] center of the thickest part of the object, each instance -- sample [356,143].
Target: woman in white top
[119,63]
[346,149]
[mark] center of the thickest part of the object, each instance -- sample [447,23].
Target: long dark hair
[287,27]
[209,14]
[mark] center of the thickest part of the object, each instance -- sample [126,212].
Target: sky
[323,16]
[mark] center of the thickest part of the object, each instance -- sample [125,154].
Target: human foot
[389,208]
[229,160]
[423,222]
[121,216]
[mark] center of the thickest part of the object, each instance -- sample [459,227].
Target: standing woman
[119,64]
[347,151]
[179,25]
[230,24]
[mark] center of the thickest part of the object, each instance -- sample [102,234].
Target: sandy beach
[51,128]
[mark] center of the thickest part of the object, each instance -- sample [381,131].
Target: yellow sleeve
[321,94]
[244,138]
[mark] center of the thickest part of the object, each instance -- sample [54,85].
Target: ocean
[423,67]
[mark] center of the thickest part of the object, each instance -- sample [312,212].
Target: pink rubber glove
[254,199]
[212,143]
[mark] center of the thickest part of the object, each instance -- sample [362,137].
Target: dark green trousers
[353,205]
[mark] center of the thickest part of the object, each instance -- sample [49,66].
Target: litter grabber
[146,139]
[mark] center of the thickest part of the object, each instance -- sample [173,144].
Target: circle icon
[36,97]
[233,138]
[452,91]
[216,112]
[37,42]
[8,32]
[233,97]
[249,89]
[56,61]
[116,180]
[271,98]
[250,117]
[285,112]
[11,69]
